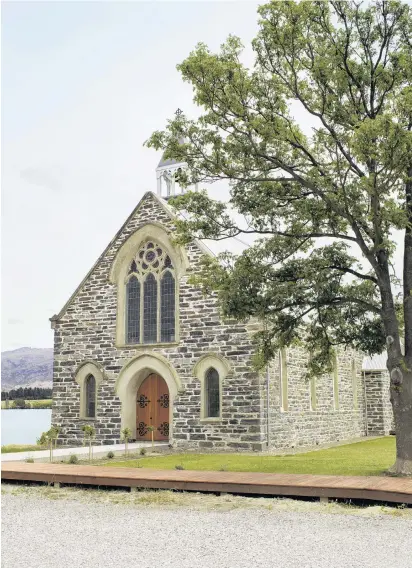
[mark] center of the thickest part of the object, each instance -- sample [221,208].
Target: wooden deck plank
[398,490]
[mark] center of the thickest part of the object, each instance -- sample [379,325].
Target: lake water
[23,426]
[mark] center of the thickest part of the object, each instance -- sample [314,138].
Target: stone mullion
[141,339]
[158,307]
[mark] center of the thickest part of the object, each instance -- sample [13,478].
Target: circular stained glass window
[151,257]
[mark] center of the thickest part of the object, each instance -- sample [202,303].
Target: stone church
[137,346]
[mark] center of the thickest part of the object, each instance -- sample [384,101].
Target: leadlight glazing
[168,308]
[133,310]
[151,297]
[212,391]
[150,309]
[90,397]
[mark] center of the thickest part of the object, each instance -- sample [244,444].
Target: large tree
[316,143]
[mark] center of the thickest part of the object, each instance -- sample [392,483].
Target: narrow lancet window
[150,310]
[212,392]
[167,307]
[90,397]
[133,310]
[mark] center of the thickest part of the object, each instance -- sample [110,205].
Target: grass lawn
[11,448]
[372,457]
[41,403]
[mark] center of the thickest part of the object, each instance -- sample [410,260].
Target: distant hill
[26,367]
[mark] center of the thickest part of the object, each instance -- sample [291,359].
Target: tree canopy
[325,194]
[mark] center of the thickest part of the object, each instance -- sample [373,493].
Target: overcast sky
[83,86]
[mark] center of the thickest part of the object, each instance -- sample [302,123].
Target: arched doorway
[131,377]
[152,409]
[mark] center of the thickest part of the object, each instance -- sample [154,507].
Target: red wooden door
[152,409]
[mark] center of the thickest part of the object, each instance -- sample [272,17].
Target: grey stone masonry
[85,332]
[309,422]
[379,409]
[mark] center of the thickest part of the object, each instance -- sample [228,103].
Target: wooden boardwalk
[388,489]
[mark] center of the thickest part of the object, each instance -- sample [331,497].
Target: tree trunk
[401,398]
[400,370]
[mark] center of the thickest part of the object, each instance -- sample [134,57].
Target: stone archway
[132,376]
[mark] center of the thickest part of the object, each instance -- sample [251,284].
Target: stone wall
[379,409]
[301,426]
[86,330]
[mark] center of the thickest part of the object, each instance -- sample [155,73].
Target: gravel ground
[58,532]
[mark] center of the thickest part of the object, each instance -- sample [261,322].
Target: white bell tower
[167,175]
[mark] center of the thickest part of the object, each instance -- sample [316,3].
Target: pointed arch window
[133,310]
[167,308]
[150,309]
[212,392]
[90,397]
[151,297]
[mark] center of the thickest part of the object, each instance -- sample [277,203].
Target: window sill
[87,419]
[211,420]
[145,345]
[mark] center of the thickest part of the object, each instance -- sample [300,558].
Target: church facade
[138,346]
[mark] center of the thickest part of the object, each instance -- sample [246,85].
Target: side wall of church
[87,331]
[301,425]
[379,411]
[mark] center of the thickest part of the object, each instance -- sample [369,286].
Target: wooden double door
[152,409]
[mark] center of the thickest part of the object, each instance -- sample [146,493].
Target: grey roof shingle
[375,363]
[168,162]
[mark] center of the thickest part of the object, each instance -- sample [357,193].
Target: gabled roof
[169,161]
[148,194]
[170,212]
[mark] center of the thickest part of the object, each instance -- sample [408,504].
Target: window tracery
[151,296]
